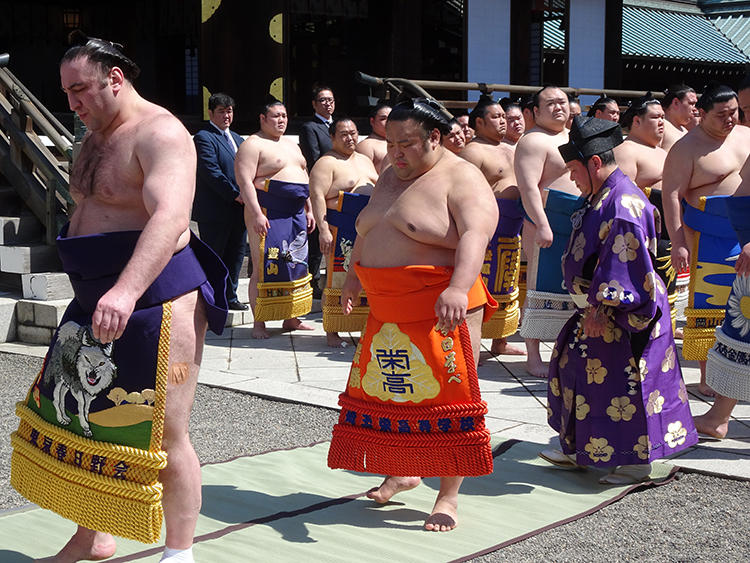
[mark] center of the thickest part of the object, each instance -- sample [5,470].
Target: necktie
[229,139]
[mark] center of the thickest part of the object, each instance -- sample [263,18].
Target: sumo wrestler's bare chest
[104,170]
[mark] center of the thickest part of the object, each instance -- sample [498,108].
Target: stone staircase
[34,293]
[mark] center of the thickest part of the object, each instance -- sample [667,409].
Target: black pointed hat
[589,136]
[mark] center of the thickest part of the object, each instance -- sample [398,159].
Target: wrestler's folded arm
[528,166]
[167,158]
[625,279]
[209,170]
[245,169]
[675,183]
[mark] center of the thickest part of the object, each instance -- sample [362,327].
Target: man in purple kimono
[615,389]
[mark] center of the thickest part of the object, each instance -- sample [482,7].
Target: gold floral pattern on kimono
[636,374]
[568,398]
[652,283]
[682,393]
[626,247]
[656,331]
[604,229]
[655,402]
[612,332]
[634,203]
[669,359]
[676,434]
[613,294]
[554,386]
[599,450]
[604,194]
[638,322]
[563,358]
[397,370]
[595,371]
[582,407]
[621,408]
[643,447]
[579,244]
[652,245]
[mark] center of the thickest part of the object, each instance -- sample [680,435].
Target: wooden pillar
[613,45]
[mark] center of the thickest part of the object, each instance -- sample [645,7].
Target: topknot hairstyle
[425,111]
[600,105]
[637,108]
[675,91]
[715,93]
[480,110]
[102,52]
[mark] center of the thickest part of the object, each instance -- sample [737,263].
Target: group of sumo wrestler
[423,238]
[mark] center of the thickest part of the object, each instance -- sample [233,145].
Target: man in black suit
[315,141]
[218,207]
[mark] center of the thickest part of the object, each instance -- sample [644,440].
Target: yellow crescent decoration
[208,7]
[276,89]
[206,95]
[276,28]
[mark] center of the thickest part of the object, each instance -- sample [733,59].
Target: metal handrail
[420,87]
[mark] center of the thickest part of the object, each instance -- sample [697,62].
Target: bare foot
[85,545]
[444,516]
[536,368]
[704,389]
[335,341]
[710,426]
[259,331]
[502,346]
[295,324]
[390,486]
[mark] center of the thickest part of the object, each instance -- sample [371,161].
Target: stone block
[7,319]
[34,334]
[21,229]
[49,313]
[25,259]
[25,312]
[46,286]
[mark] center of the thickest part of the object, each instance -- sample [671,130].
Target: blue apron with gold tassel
[284,289]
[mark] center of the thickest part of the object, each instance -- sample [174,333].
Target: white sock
[171,555]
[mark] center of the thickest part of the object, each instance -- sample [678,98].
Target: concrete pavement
[299,367]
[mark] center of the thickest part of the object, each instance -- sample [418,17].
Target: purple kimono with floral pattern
[618,399]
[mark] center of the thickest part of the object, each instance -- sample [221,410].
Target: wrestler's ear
[435,137]
[116,78]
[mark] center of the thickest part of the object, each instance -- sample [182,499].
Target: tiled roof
[664,34]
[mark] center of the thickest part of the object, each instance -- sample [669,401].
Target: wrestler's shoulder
[369,142]
[536,139]
[459,170]
[157,125]
[741,133]
[685,144]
